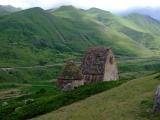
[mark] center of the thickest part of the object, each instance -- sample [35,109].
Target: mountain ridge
[8,9]
[142,35]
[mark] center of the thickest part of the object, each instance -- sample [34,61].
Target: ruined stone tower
[99,65]
[70,73]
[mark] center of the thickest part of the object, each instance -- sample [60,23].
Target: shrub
[41,91]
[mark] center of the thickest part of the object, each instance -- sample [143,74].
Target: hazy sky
[111,5]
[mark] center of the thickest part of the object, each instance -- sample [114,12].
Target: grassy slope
[131,26]
[150,25]
[34,35]
[119,42]
[112,20]
[47,102]
[26,39]
[123,102]
[146,22]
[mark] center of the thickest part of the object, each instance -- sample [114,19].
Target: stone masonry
[99,64]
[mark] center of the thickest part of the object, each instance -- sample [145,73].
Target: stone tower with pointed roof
[99,64]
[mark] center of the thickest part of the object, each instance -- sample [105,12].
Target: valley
[36,43]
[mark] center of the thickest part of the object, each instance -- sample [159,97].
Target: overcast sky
[110,5]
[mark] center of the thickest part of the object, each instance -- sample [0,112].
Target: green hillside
[152,26]
[34,36]
[68,12]
[131,100]
[113,21]
[131,26]
[146,22]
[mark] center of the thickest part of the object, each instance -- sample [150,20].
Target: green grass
[139,64]
[47,102]
[7,87]
[131,100]
[34,74]
[29,74]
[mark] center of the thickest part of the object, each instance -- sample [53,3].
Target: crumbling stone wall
[99,64]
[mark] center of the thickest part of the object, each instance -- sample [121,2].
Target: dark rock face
[157,100]
[67,88]
[70,73]
[99,65]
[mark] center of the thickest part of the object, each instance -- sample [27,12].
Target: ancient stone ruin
[70,73]
[99,65]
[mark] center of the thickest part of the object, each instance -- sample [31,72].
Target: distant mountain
[146,22]
[150,38]
[35,36]
[146,36]
[8,8]
[150,11]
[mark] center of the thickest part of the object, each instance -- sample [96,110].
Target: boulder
[157,100]
[17,108]
[28,101]
[67,88]
[4,104]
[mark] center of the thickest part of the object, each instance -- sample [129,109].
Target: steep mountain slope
[112,20]
[34,36]
[29,36]
[140,34]
[151,25]
[146,22]
[75,15]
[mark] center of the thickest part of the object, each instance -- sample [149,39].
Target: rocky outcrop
[157,100]
[70,73]
[67,88]
[99,65]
